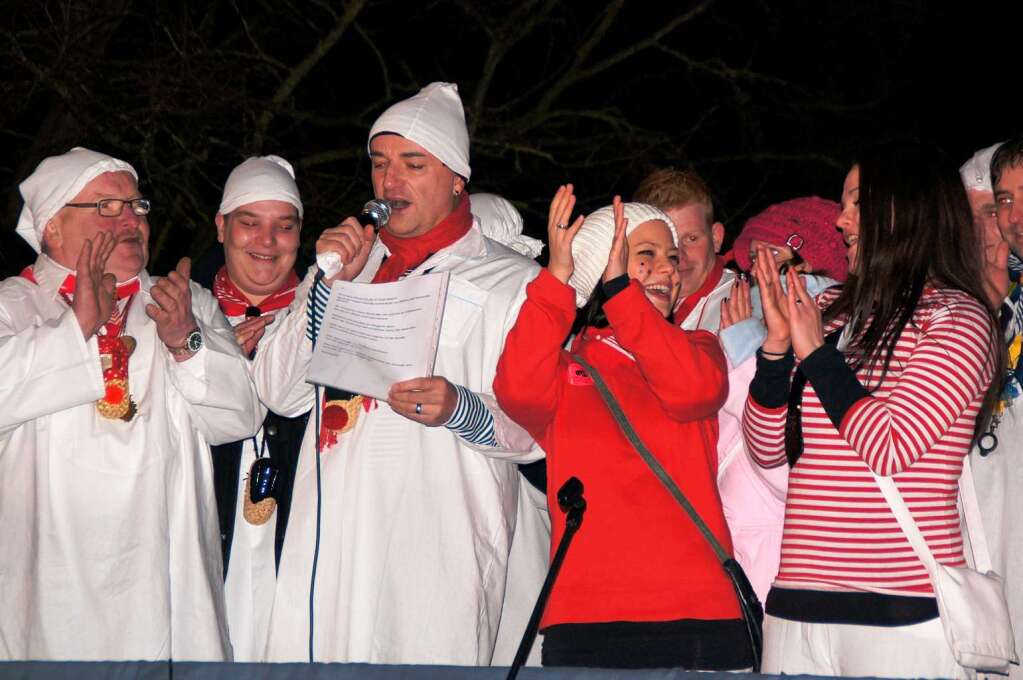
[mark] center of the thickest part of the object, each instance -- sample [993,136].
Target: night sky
[768,101]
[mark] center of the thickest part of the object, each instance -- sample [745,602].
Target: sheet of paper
[374,335]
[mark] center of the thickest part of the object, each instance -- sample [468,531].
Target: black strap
[752,612]
[655,465]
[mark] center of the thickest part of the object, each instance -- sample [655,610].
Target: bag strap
[974,523]
[971,510]
[655,465]
[906,522]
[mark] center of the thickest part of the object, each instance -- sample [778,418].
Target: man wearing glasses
[115,385]
[995,176]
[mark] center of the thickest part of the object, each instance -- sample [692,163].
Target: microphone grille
[379,209]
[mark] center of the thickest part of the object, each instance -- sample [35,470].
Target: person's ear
[52,236]
[458,186]
[219,221]
[717,233]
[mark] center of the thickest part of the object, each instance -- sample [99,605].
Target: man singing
[419,492]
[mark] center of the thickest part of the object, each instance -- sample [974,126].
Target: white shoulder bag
[971,602]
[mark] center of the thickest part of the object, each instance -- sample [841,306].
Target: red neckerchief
[408,253]
[67,287]
[709,284]
[233,302]
[115,325]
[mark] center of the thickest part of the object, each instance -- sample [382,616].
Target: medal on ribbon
[115,349]
[340,416]
[116,402]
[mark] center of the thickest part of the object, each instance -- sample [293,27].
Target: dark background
[768,100]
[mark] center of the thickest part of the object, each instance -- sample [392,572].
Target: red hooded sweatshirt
[637,556]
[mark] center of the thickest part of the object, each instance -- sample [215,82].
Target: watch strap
[183,349]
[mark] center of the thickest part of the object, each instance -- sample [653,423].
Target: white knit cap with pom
[592,244]
[502,222]
[260,178]
[976,172]
[435,120]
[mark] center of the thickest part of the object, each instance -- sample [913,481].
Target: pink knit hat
[807,225]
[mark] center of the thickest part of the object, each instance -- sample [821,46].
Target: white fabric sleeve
[215,382]
[282,362]
[513,443]
[47,368]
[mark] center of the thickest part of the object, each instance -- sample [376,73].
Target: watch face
[194,341]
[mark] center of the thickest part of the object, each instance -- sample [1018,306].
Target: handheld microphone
[376,213]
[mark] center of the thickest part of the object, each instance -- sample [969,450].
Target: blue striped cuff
[316,308]
[472,420]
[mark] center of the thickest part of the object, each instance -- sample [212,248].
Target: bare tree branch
[324,157]
[576,73]
[301,70]
[384,74]
[720,69]
[582,54]
[641,45]
[516,27]
[255,44]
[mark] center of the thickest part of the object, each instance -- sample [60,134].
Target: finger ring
[419,408]
[562,225]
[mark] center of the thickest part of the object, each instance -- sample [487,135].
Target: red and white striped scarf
[233,302]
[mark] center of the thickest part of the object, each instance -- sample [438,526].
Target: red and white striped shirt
[916,426]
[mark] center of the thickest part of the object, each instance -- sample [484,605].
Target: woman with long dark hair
[894,379]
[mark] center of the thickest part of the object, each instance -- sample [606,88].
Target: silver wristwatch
[193,343]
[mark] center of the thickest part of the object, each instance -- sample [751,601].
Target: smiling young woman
[898,367]
[640,586]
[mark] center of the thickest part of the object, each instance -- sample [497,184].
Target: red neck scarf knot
[233,302]
[409,253]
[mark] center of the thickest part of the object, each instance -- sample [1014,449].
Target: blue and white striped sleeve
[316,308]
[472,420]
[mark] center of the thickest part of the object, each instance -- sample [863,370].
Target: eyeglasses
[113,207]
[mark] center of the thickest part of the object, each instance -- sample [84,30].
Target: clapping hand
[805,323]
[738,306]
[618,258]
[171,308]
[93,302]
[249,332]
[775,304]
[560,233]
